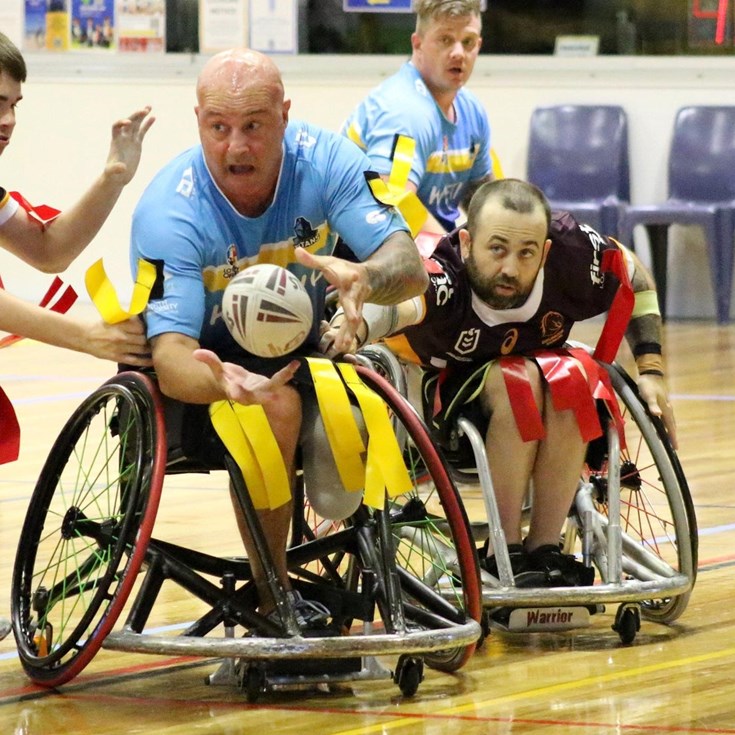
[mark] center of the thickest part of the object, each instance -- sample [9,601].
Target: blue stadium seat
[701,181]
[578,156]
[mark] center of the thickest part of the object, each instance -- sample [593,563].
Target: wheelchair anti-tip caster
[409,674]
[627,622]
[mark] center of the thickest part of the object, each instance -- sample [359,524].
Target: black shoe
[517,555]
[562,570]
[309,614]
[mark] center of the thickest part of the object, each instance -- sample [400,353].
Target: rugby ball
[267,310]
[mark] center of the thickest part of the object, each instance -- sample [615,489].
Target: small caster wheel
[409,674]
[627,622]
[254,683]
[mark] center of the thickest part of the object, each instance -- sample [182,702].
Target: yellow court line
[553,689]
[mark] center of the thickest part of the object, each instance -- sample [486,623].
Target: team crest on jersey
[304,234]
[552,328]
[232,268]
[467,341]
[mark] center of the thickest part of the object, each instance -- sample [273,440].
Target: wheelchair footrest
[535,619]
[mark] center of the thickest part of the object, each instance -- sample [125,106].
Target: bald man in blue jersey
[426,101]
[260,188]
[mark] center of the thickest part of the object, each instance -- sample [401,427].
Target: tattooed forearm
[396,271]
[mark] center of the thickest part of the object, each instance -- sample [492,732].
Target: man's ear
[547,245]
[465,243]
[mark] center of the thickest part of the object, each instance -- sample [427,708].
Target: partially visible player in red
[52,246]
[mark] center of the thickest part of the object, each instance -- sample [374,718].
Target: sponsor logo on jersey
[185,186]
[467,341]
[232,268]
[375,217]
[442,288]
[305,140]
[446,195]
[597,241]
[552,327]
[304,234]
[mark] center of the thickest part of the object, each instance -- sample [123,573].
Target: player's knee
[322,483]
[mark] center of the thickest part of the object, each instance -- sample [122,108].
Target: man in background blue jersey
[427,102]
[260,188]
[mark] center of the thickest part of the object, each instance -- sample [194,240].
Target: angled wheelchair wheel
[433,545]
[657,519]
[87,527]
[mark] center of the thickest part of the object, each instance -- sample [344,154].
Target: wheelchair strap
[102,292]
[394,193]
[246,433]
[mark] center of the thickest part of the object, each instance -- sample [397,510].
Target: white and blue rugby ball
[267,310]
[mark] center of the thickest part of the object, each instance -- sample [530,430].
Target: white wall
[71,100]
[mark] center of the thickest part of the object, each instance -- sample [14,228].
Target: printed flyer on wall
[34,30]
[92,24]
[141,25]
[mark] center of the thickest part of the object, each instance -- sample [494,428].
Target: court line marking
[563,687]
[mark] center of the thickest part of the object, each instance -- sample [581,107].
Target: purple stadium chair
[701,192]
[578,156]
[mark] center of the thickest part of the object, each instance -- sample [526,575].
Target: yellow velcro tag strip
[102,292]
[497,167]
[402,161]
[394,193]
[646,302]
[246,433]
[386,469]
[339,423]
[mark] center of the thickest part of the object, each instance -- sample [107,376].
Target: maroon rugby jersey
[459,328]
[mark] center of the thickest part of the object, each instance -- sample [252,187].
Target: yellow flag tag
[102,292]
[246,433]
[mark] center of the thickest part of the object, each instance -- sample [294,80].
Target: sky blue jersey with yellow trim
[199,242]
[448,155]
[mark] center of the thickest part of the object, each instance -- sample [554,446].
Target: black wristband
[647,348]
[660,373]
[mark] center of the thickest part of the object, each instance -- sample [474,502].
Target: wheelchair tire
[87,528]
[657,511]
[433,544]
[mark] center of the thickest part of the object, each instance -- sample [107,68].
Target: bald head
[231,73]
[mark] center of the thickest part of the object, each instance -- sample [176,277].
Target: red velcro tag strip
[569,390]
[620,310]
[9,430]
[518,384]
[42,214]
[602,389]
[61,306]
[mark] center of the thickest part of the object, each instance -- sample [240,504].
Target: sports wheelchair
[402,581]
[632,519]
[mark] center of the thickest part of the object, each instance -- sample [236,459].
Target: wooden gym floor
[677,679]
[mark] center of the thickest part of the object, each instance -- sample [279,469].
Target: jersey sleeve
[177,302]
[8,206]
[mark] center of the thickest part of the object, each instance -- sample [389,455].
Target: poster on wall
[222,25]
[34,26]
[92,24]
[273,26]
[57,25]
[141,25]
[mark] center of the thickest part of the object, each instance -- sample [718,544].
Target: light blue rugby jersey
[448,155]
[185,225]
